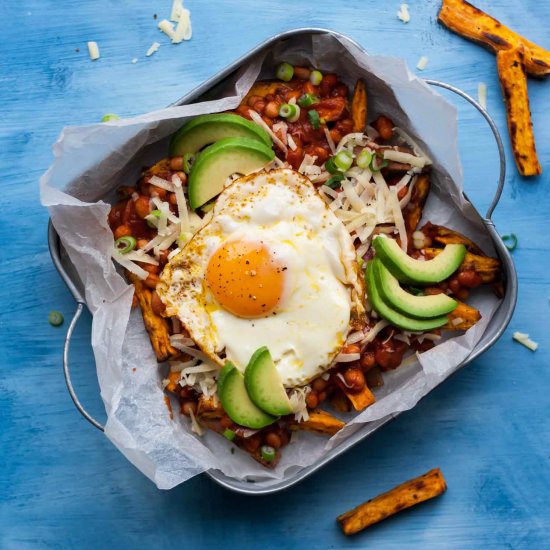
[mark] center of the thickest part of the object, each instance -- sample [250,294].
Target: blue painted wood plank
[488,428]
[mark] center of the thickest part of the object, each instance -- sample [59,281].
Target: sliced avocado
[411,271]
[238,405]
[223,371]
[222,159]
[206,129]
[391,315]
[414,306]
[264,385]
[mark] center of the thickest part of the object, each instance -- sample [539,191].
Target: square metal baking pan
[494,330]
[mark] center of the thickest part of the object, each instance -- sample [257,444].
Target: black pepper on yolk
[245,278]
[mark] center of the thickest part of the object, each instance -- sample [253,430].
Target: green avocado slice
[422,307]
[206,129]
[391,315]
[223,371]
[238,405]
[264,385]
[219,161]
[411,271]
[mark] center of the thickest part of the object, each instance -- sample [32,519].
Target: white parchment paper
[91,161]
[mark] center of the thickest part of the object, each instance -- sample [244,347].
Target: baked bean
[151,281]
[122,231]
[142,242]
[172,199]
[143,207]
[272,109]
[156,304]
[285,438]
[462,294]
[469,278]
[389,354]
[252,100]
[268,121]
[163,256]
[176,163]
[433,290]
[259,106]
[244,111]
[226,422]
[351,348]
[322,396]
[295,158]
[187,407]
[252,443]
[319,384]
[454,285]
[335,135]
[273,440]
[157,191]
[384,126]
[340,90]
[293,94]
[312,400]
[115,214]
[302,73]
[329,80]
[355,380]
[367,360]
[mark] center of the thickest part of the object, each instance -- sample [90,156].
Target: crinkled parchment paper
[91,161]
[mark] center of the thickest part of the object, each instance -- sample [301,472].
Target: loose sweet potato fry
[463,317]
[414,491]
[444,235]
[413,211]
[359,107]
[156,326]
[467,20]
[361,399]
[263,88]
[320,422]
[513,81]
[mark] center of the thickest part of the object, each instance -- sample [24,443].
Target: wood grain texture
[63,485]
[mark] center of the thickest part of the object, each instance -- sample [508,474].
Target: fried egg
[273,267]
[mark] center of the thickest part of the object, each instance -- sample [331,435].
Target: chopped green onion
[55,318]
[315,77]
[334,182]
[364,158]
[314,118]
[229,434]
[110,116]
[375,167]
[289,111]
[267,453]
[330,166]
[125,244]
[343,160]
[285,71]
[510,241]
[188,160]
[307,100]
[151,223]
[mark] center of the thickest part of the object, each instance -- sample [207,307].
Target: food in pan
[279,265]
[516,58]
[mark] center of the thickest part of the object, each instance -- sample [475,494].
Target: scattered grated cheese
[183,29]
[355,337]
[291,142]
[482,94]
[297,398]
[422,63]
[373,332]
[129,265]
[135,60]
[177,6]
[405,158]
[347,357]
[162,183]
[195,426]
[167,28]
[182,204]
[154,48]
[456,321]
[93,50]
[403,13]
[330,141]
[523,338]
[260,122]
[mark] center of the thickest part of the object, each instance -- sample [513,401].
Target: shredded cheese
[422,63]
[297,397]
[93,50]
[373,332]
[405,158]
[482,94]
[154,48]
[260,122]
[330,141]
[183,29]
[403,13]
[167,28]
[129,265]
[177,6]
[162,183]
[523,338]
[398,219]
[347,357]
[291,142]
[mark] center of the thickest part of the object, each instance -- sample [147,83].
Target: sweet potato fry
[209,409]
[320,422]
[414,491]
[413,211]
[361,399]
[359,107]
[263,88]
[463,317]
[513,81]
[444,235]
[468,21]
[156,326]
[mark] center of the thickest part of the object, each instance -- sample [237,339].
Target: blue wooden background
[63,485]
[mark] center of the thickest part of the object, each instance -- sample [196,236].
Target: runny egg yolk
[245,278]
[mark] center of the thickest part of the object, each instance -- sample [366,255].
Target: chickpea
[354,378]
[252,443]
[367,360]
[172,199]
[151,281]
[142,242]
[143,208]
[122,231]
[182,176]
[351,348]
[156,304]
[384,126]
[322,396]
[273,440]
[319,384]
[253,99]
[469,278]
[272,109]
[259,106]
[454,285]
[187,407]
[158,192]
[176,163]
[302,73]
[433,290]
[312,400]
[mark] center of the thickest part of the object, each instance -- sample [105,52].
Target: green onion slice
[55,318]
[267,453]
[364,158]
[314,118]
[307,100]
[330,166]
[510,241]
[151,223]
[289,111]
[334,182]
[285,71]
[229,434]
[343,160]
[188,160]
[110,116]
[375,167]
[125,244]
[315,77]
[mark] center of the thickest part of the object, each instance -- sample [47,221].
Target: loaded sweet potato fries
[279,265]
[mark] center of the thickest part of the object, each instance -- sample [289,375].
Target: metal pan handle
[494,129]
[67,372]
